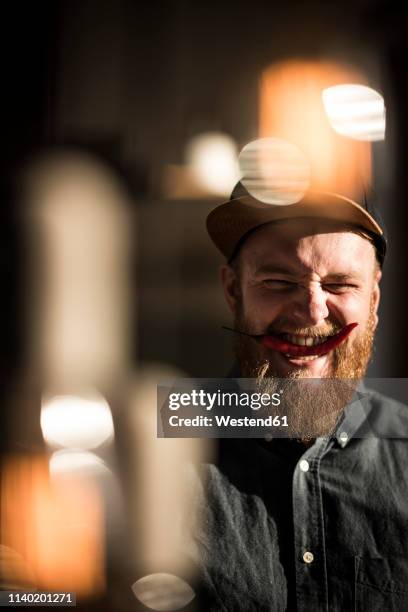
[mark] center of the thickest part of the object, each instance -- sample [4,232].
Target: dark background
[133,82]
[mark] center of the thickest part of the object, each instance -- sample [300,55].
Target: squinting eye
[338,287]
[277,283]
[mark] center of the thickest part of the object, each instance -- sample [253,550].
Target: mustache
[314,332]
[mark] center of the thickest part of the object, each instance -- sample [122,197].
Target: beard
[313,406]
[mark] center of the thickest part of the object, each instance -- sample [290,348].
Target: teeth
[307,358]
[305,340]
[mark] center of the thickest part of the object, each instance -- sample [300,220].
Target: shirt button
[308,557]
[304,465]
[343,437]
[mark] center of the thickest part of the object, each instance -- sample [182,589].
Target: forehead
[308,245]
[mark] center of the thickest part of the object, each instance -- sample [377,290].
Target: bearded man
[318,521]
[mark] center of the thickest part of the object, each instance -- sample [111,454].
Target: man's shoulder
[387,416]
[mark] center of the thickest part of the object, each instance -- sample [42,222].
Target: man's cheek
[260,314]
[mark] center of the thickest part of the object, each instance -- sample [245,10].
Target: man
[317,522]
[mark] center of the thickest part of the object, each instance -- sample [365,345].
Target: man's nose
[310,307]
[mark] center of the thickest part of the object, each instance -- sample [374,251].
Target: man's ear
[230,284]
[376,296]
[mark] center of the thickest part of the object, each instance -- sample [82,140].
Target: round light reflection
[164,592]
[76,422]
[274,171]
[356,111]
[212,159]
[68,461]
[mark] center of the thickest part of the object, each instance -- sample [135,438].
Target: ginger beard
[313,410]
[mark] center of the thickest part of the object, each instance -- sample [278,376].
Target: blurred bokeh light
[212,160]
[76,422]
[274,171]
[78,226]
[71,461]
[163,504]
[355,111]
[14,570]
[291,108]
[56,526]
[163,592]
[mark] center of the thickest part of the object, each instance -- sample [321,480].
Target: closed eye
[272,283]
[338,287]
[283,284]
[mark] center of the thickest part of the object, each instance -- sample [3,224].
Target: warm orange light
[56,527]
[291,108]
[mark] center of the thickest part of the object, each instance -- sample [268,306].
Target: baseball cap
[230,223]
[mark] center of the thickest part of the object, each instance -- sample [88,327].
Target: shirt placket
[309,542]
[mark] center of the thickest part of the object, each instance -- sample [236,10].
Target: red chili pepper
[296,350]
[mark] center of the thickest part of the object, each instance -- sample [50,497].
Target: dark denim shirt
[324,528]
